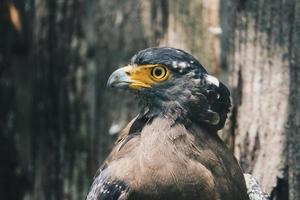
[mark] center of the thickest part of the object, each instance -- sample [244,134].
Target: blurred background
[58,121]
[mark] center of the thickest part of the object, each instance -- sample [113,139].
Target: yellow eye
[160,73]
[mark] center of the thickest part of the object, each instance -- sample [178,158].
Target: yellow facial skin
[144,76]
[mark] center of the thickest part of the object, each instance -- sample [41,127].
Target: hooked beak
[119,79]
[132,77]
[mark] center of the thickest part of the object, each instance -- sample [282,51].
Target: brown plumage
[164,153]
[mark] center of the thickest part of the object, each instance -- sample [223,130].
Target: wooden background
[58,121]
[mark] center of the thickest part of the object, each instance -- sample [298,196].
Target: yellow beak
[132,76]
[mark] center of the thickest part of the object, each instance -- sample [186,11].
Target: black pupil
[158,72]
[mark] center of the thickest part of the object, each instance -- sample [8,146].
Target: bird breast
[160,157]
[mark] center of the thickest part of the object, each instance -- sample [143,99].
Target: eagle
[171,149]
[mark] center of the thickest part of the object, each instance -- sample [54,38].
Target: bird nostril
[127,73]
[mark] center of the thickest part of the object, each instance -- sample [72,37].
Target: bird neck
[170,110]
[180,112]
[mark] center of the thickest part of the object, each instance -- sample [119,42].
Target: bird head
[172,83]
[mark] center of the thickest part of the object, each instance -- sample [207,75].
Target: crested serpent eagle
[171,150]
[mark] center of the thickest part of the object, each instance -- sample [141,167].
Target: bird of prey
[171,150]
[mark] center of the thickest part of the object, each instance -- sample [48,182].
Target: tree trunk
[264,58]
[58,138]
[42,90]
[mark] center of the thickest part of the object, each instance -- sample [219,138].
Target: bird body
[171,150]
[166,161]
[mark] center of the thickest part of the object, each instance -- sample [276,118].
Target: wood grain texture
[263,55]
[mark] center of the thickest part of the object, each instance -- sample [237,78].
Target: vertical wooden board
[260,56]
[293,128]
